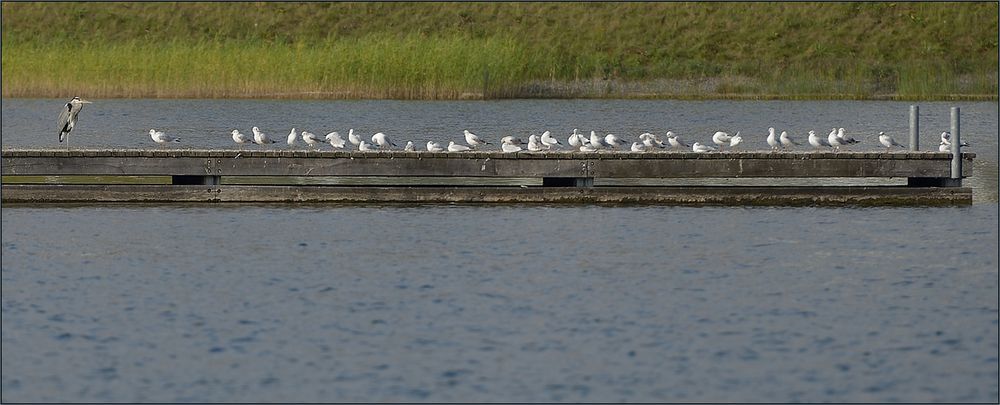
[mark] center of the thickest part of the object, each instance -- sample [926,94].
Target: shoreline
[313,95]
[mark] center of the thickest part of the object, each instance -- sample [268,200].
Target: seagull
[887,141]
[259,137]
[638,147]
[434,147]
[535,145]
[945,146]
[575,140]
[721,138]
[735,140]
[366,147]
[946,138]
[596,142]
[835,141]
[353,138]
[697,147]
[291,137]
[816,141]
[647,141]
[473,140]
[613,141]
[772,139]
[67,118]
[512,139]
[508,145]
[310,138]
[335,140]
[675,141]
[161,138]
[408,147]
[650,140]
[587,148]
[382,141]
[549,141]
[846,139]
[240,138]
[786,141]
[454,147]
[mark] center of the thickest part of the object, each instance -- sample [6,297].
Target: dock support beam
[956,147]
[914,128]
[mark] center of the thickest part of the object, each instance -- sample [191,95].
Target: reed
[501,50]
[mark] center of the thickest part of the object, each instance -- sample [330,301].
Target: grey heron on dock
[67,118]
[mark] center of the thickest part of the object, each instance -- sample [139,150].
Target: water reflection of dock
[758,178]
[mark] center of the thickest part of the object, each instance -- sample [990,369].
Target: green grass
[472,50]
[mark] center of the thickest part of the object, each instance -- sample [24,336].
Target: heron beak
[85,101]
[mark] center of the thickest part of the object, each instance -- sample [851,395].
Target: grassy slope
[445,50]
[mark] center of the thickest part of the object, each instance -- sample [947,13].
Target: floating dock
[186,175]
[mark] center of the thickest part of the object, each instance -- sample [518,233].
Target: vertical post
[956,146]
[914,128]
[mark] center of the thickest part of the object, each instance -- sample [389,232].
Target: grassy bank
[449,50]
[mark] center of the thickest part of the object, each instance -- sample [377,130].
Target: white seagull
[816,141]
[454,147]
[335,140]
[382,141]
[366,147]
[735,140]
[846,139]
[613,141]
[239,137]
[772,139]
[434,147]
[697,147]
[473,140]
[575,140]
[535,145]
[887,141]
[291,137]
[596,142]
[676,141]
[721,138]
[786,141]
[509,145]
[549,141]
[834,141]
[946,139]
[647,141]
[353,138]
[259,137]
[310,139]
[638,147]
[409,147]
[161,138]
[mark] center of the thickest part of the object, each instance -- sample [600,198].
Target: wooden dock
[561,177]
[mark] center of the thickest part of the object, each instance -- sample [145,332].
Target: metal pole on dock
[956,145]
[914,128]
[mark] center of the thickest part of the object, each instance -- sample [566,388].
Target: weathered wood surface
[59,193]
[480,164]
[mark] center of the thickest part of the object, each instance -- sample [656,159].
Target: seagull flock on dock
[576,142]
[645,142]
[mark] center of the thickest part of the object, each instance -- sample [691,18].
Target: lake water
[300,303]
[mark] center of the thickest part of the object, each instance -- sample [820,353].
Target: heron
[67,118]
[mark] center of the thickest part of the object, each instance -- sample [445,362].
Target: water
[300,303]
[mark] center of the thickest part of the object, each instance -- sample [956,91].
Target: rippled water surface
[300,303]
